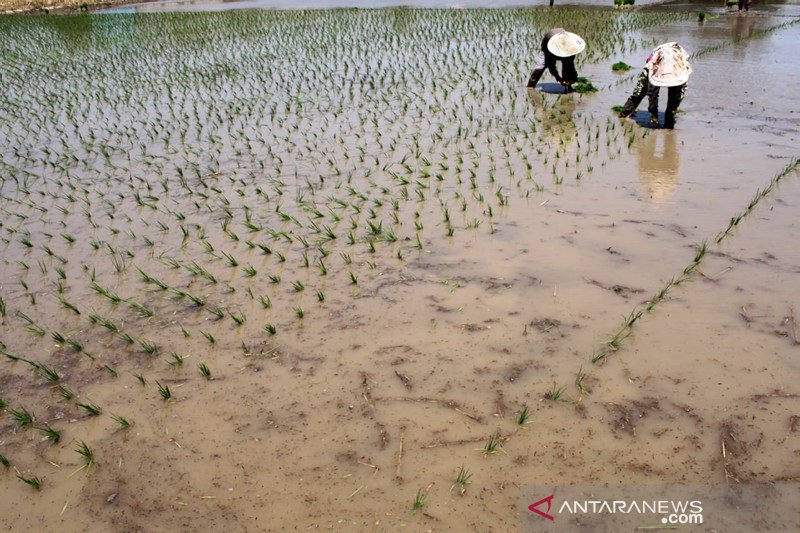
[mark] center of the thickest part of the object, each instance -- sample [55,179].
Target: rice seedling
[66,392]
[299,313]
[420,500]
[124,423]
[175,360]
[36,330]
[580,382]
[22,417]
[141,379]
[87,453]
[584,86]
[522,417]
[90,408]
[67,305]
[555,394]
[164,392]
[463,478]
[204,371]
[492,446]
[209,337]
[196,300]
[51,434]
[4,461]
[271,329]
[239,319]
[33,481]
[147,346]
[217,312]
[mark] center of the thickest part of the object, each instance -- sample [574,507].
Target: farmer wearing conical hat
[559,45]
[668,66]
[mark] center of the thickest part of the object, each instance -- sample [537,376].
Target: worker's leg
[568,72]
[636,97]
[535,76]
[652,102]
[674,99]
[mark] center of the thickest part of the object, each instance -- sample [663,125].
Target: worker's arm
[550,63]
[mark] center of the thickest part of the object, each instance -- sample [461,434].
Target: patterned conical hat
[669,66]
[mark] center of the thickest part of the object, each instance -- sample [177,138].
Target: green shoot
[124,423]
[92,409]
[22,416]
[419,501]
[462,480]
[34,481]
[522,418]
[164,392]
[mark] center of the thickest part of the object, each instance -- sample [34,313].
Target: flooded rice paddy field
[274,270]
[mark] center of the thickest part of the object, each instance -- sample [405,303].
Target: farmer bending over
[559,45]
[668,66]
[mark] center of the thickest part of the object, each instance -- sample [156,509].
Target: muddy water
[396,381]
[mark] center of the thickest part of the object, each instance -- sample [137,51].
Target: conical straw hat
[566,44]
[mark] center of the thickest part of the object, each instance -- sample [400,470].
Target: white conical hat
[669,66]
[566,44]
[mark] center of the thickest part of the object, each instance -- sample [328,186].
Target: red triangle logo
[545,514]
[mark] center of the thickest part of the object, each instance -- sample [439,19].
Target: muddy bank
[62,7]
